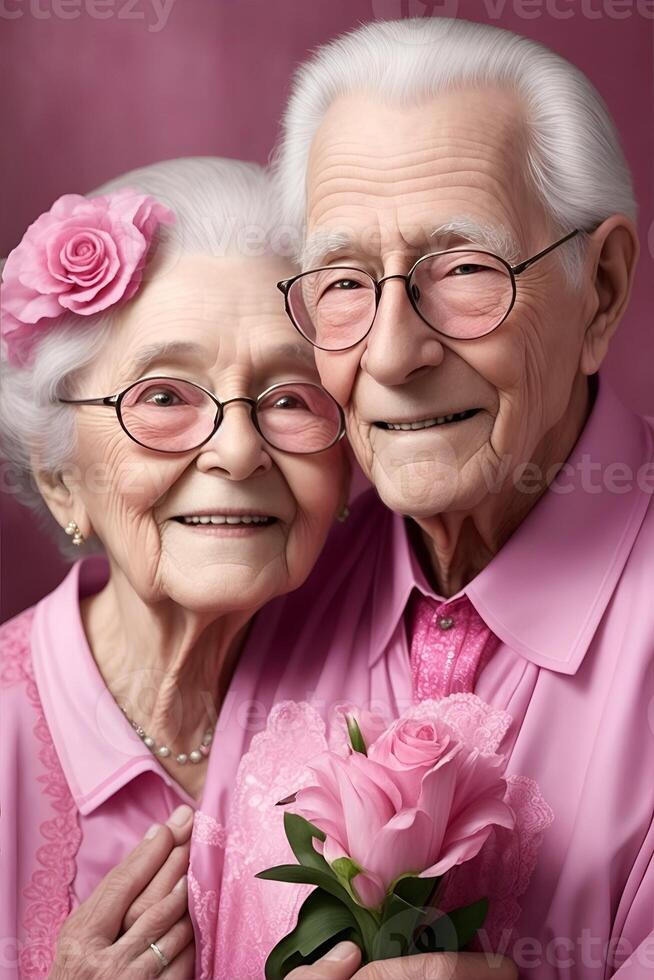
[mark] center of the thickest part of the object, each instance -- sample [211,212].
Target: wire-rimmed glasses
[172,415]
[461,293]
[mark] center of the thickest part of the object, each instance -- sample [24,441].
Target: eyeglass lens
[462,294]
[172,415]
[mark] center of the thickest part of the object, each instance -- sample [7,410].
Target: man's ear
[58,491]
[612,254]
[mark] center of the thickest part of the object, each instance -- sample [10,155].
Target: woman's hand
[175,865]
[342,962]
[142,900]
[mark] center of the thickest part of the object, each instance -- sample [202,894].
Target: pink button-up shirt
[569,598]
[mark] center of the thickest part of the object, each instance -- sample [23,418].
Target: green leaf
[297,874]
[402,913]
[467,920]
[356,738]
[322,921]
[453,931]
[395,935]
[416,891]
[345,870]
[300,834]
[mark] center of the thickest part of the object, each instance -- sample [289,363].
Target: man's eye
[467,268]
[288,401]
[345,284]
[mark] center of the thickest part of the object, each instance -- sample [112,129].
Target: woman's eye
[162,398]
[346,284]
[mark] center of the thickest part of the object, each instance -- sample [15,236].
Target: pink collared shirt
[569,597]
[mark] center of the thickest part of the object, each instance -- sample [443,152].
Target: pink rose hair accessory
[82,256]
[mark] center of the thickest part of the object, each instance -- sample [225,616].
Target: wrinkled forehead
[450,168]
[207,314]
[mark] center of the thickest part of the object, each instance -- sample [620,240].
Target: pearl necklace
[197,755]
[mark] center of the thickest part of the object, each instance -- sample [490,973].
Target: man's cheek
[337,372]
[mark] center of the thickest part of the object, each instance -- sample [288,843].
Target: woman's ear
[613,253]
[58,491]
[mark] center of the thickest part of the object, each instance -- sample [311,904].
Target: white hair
[222,207]
[573,155]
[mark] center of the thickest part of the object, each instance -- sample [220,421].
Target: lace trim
[207,830]
[503,868]
[205,907]
[47,893]
[255,914]
[476,723]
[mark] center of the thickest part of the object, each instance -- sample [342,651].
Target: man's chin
[426,497]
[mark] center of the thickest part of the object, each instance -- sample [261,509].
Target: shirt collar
[98,750]
[544,593]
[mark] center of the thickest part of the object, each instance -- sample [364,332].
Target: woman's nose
[236,448]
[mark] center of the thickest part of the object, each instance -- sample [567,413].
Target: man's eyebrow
[321,244]
[494,238]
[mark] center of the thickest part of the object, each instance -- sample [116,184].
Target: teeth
[429,423]
[225,519]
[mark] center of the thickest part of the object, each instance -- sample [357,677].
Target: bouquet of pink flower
[376,833]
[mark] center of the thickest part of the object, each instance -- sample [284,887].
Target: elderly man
[470,249]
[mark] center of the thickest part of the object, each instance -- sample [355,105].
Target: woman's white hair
[222,207]
[573,154]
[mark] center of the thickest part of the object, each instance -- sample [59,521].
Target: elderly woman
[170,419]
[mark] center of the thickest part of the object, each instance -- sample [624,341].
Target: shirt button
[446,622]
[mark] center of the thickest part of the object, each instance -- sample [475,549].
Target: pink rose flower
[83,256]
[421,802]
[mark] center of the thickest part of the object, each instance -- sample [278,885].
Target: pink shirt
[569,599]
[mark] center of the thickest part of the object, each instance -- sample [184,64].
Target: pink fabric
[254,914]
[43,860]
[569,599]
[448,642]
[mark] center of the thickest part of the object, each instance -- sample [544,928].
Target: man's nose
[236,447]
[400,345]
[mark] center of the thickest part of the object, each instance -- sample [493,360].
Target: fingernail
[180,815]
[341,951]
[181,885]
[152,830]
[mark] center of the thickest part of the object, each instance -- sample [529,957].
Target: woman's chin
[224,584]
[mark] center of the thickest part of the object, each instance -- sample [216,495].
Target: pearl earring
[73,529]
[344,514]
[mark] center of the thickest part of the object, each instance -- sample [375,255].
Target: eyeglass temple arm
[107,400]
[517,269]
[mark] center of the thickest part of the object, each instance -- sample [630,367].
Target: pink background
[86,99]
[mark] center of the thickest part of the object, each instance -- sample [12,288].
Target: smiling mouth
[226,520]
[427,423]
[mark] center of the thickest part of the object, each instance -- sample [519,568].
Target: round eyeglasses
[460,293]
[171,415]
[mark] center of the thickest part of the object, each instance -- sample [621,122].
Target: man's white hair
[222,207]
[573,155]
